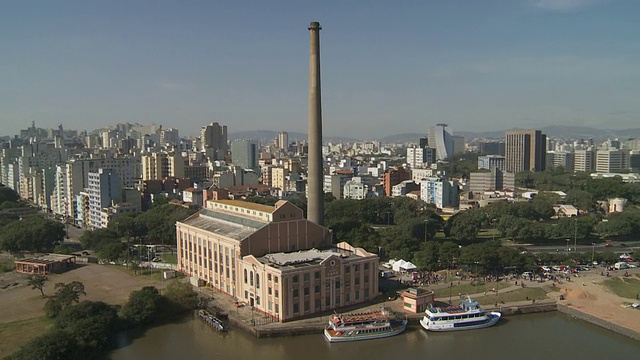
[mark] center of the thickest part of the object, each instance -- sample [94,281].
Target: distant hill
[402,138]
[268,135]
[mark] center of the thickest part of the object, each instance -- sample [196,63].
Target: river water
[537,336]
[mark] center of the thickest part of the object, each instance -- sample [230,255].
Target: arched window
[251,278]
[245,276]
[257,281]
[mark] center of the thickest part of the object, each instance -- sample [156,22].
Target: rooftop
[47,259]
[300,257]
[229,225]
[247,205]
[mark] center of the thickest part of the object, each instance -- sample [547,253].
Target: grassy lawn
[513,296]
[15,334]
[626,288]
[169,258]
[468,289]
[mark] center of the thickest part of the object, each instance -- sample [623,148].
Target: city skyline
[495,65]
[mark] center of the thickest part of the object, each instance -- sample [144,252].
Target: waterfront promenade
[583,294]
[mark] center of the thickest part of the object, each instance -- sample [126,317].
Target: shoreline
[547,305]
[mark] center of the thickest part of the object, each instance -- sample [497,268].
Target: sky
[387,67]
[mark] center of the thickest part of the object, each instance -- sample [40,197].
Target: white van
[620,265]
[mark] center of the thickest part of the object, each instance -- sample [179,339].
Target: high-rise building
[439,191]
[560,159]
[213,140]
[104,190]
[157,166]
[244,153]
[609,161]
[525,150]
[442,141]
[583,160]
[491,161]
[283,141]
[393,177]
[496,180]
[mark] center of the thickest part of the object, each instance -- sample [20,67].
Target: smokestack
[315,175]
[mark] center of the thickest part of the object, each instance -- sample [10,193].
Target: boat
[364,326]
[211,320]
[468,315]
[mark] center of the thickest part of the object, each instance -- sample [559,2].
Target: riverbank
[585,299]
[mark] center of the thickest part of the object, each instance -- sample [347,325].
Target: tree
[143,307]
[52,345]
[7,194]
[33,234]
[37,281]
[66,295]
[582,200]
[93,324]
[181,295]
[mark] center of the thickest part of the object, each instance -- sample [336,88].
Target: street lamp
[568,248]
[593,252]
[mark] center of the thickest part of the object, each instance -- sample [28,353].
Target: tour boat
[211,320]
[363,326]
[468,315]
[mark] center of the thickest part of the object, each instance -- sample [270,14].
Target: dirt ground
[102,282]
[588,295]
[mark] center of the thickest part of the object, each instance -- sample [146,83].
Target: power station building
[272,258]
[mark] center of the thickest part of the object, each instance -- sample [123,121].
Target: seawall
[598,322]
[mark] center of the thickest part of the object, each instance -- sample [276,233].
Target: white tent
[402,265]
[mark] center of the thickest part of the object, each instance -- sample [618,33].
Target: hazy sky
[387,66]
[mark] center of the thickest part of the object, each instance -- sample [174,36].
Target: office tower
[283,141]
[442,141]
[491,161]
[244,153]
[525,150]
[583,160]
[609,161]
[213,140]
[315,178]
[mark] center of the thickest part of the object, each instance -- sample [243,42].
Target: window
[366,293]
[327,301]
[251,278]
[275,279]
[246,294]
[306,306]
[270,305]
[296,308]
[269,277]
[257,281]
[270,290]
[295,279]
[295,293]
[337,284]
[357,280]
[277,308]
[317,275]
[356,267]
[337,300]
[357,295]
[306,291]
[407,305]
[306,277]
[366,279]
[318,304]
[347,297]
[366,266]
[258,300]
[276,293]
[347,269]
[317,289]
[245,276]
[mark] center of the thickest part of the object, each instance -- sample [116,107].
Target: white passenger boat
[363,326]
[468,315]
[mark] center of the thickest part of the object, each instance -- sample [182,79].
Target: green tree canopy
[92,323]
[181,296]
[66,295]
[32,234]
[144,306]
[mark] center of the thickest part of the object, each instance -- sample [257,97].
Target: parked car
[608,245]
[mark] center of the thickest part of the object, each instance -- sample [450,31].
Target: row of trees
[559,179]
[87,330]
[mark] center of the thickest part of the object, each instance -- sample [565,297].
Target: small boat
[211,320]
[468,315]
[363,326]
